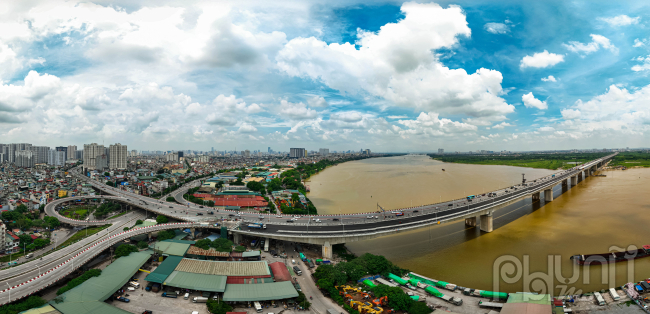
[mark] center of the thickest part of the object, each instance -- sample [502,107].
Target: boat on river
[613,257]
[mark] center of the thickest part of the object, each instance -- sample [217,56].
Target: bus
[471,197]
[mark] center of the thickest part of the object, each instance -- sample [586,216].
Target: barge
[614,257]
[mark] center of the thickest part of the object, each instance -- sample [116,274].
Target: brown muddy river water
[598,214]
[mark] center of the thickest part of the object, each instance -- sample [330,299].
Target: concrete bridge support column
[565,182]
[574,180]
[236,238]
[327,250]
[548,195]
[472,221]
[487,223]
[192,232]
[536,196]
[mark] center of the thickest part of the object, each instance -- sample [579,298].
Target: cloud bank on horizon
[412,76]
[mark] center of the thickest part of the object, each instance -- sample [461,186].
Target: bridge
[325,230]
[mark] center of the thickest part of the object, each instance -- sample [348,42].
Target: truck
[30,255]
[297,270]
[155,287]
[169,295]
[258,307]
[200,300]
[310,264]
[260,224]
[254,226]
[454,300]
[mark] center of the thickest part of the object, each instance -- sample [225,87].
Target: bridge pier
[236,238]
[536,196]
[574,180]
[327,250]
[487,223]
[565,182]
[548,195]
[472,221]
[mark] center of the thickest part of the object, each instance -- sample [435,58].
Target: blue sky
[388,76]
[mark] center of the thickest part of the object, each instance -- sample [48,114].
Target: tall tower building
[296,152]
[72,152]
[25,158]
[91,151]
[117,156]
[13,148]
[40,154]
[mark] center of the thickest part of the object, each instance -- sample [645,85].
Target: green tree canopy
[138,222]
[171,199]
[162,219]
[125,250]
[142,245]
[52,221]
[216,307]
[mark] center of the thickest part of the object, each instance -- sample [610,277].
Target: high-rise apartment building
[117,156]
[62,149]
[324,151]
[441,151]
[56,157]
[296,152]
[91,151]
[40,154]
[13,148]
[247,153]
[25,158]
[72,152]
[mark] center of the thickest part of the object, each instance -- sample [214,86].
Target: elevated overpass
[51,273]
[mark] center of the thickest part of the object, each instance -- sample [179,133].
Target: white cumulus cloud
[597,42]
[396,63]
[644,66]
[620,20]
[531,102]
[570,114]
[497,28]
[550,78]
[541,60]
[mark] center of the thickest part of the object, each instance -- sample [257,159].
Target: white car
[278,216]
[317,220]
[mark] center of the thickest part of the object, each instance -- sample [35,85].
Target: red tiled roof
[280,271]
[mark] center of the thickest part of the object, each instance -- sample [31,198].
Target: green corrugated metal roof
[260,292]
[172,248]
[529,298]
[164,269]
[180,241]
[201,282]
[89,296]
[250,254]
[90,307]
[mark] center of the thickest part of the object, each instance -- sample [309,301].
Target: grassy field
[631,159]
[82,234]
[542,161]
[78,212]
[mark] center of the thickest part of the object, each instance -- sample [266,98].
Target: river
[598,213]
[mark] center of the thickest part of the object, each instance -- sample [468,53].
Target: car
[200,206]
[199,214]
[335,219]
[261,216]
[317,220]
[171,206]
[289,220]
[211,213]
[278,216]
[450,204]
[416,211]
[368,217]
[231,215]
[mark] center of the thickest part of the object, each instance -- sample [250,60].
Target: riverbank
[539,161]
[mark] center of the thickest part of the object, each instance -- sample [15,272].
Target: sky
[343,75]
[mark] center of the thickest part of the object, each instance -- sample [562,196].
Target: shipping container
[494,295]
[200,300]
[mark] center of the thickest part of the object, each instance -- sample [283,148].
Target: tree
[126,228]
[171,199]
[222,245]
[110,183]
[41,208]
[302,301]
[29,303]
[142,245]
[39,243]
[22,208]
[240,248]
[203,244]
[216,307]
[162,219]
[52,221]
[125,250]
[166,234]
[11,215]
[106,174]
[419,308]
[24,239]
[138,222]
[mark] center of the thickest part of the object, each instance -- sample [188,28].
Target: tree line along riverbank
[548,161]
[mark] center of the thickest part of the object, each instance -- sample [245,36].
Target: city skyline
[236,76]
